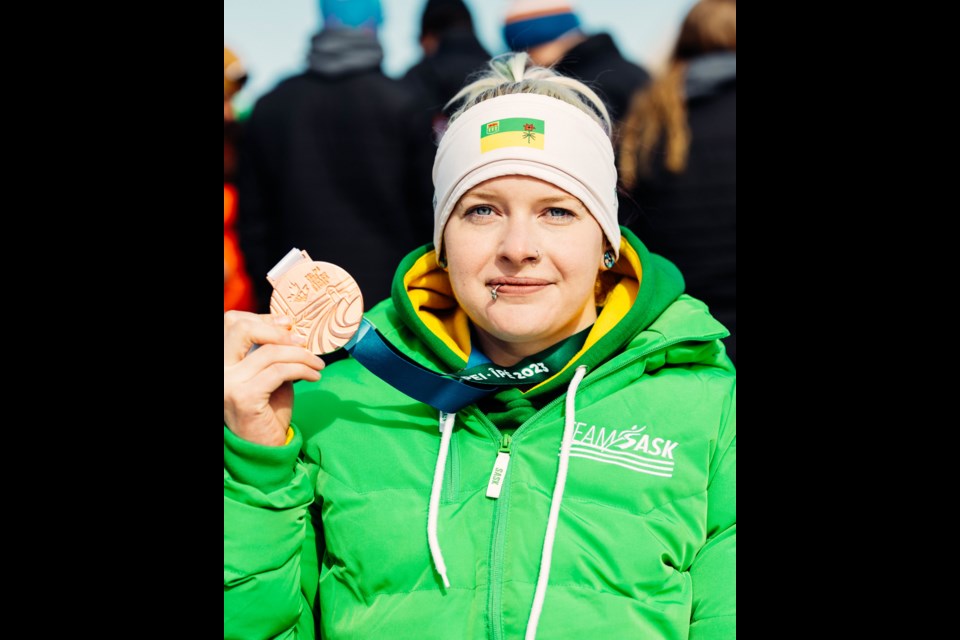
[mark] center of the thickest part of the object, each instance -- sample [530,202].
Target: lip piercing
[493,291]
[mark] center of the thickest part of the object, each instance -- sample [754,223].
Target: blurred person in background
[336,160]
[237,287]
[451,53]
[549,31]
[679,160]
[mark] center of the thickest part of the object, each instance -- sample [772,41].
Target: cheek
[462,268]
[463,277]
[582,254]
[466,255]
[582,269]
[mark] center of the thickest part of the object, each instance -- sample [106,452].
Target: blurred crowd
[337,160]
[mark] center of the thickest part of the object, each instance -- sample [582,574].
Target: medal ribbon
[451,392]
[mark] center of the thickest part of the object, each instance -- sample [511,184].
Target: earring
[608,259]
[442,261]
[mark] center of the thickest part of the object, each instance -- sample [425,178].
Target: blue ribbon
[448,394]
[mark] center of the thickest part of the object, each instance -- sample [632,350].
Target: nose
[519,243]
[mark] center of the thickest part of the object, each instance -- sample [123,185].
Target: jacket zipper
[499,472]
[500,506]
[495,601]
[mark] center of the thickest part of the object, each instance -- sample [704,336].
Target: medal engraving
[323,300]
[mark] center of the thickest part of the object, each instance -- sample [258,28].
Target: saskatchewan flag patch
[512,132]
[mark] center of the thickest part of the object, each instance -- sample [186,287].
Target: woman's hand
[258,384]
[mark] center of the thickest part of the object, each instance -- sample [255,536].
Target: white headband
[529,135]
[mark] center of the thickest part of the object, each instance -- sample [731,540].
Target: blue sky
[271,38]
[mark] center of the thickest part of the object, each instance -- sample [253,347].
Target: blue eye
[557,212]
[482,210]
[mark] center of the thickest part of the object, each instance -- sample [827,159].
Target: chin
[518,330]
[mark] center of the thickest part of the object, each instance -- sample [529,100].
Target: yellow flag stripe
[511,139]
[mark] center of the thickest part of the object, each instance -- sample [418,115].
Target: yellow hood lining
[431,295]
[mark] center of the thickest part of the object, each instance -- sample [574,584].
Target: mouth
[517,286]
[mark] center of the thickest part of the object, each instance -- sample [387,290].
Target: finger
[271,354]
[243,330]
[279,372]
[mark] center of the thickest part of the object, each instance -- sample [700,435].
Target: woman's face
[541,246]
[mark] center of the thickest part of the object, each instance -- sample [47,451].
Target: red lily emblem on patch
[528,132]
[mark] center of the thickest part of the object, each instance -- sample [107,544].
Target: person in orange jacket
[237,286]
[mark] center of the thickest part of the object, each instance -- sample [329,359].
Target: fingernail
[283,320]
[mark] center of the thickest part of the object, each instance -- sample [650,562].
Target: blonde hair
[658,113]
[516,73]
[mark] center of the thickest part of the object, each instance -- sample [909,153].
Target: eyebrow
[483,195]
[480,195]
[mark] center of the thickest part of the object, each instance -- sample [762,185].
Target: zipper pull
[499,472]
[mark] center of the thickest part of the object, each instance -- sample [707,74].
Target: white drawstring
[446,429]
[558,487]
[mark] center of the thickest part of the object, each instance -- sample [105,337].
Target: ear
[609,258]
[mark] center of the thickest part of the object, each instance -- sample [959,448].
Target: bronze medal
[323,300]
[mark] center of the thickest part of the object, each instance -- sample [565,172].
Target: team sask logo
[632,448]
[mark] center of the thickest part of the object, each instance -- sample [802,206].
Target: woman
[592,493]
[678,160]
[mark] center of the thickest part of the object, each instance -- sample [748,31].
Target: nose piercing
[493,291]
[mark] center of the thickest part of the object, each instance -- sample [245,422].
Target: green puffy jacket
[328,535]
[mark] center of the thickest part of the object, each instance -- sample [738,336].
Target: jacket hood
[459,40]
[706,74]
[337,52]
[597,45]
[644,286]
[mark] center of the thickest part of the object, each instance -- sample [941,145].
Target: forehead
[518,186]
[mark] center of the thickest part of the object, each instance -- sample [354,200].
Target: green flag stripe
[510,124]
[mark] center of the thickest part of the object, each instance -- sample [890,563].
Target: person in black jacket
[451,54]
[550,33]
[337,161]
[679,160]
